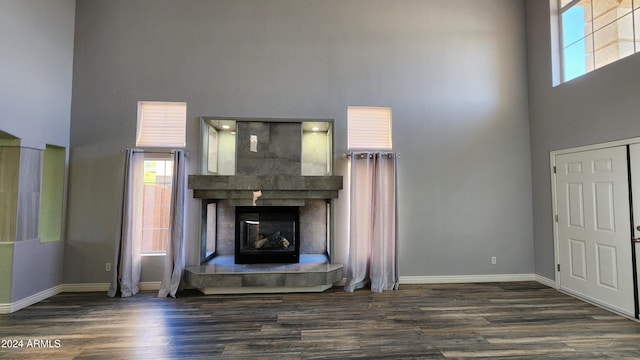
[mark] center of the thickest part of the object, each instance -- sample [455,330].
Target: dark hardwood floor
[524,320]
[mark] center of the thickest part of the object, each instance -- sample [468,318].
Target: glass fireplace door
[267,234]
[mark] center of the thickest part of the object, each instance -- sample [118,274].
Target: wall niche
[240,146]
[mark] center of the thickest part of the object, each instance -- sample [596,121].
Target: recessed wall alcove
[265,163]
[31,210]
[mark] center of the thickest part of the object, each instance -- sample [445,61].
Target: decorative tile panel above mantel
[275,190]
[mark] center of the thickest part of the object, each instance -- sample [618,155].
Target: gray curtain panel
[373,255]
[127,259]
[174,260]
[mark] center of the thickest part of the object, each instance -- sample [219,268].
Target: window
[161,124]
[594,33]
[156,203]
[369,128]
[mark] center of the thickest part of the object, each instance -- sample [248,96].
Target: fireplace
[267,189]
[275,176]
[267,234]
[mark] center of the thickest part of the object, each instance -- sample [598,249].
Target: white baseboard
[45,294]
[453,279]
[150,286]
[86,287]
[30,300]
[608,307]
[546,281]
[461,279]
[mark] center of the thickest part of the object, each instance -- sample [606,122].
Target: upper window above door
[594,33]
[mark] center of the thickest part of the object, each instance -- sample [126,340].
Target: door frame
[554,199]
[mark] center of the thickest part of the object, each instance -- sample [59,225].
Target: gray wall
[36,38]
[598,107]
[453,72]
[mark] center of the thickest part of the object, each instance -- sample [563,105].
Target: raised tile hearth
[221,276]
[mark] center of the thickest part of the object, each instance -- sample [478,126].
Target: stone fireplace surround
[314,272]
[268,177]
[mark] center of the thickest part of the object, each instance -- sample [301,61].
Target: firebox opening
[267,234]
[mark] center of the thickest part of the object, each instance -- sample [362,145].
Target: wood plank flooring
[523,320]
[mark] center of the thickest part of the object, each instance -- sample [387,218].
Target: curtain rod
[186,153]
[384,153]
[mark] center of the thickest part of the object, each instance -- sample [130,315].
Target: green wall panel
[9,168]
[51,200]
[6,264]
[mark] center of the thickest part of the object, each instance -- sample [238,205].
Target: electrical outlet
[493,260]
[107,267]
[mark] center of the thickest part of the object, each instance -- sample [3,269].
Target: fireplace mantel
[275,190]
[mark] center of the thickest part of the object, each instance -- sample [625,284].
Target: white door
[634,157]
[594,227]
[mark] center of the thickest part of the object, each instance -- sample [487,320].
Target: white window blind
[369,128]
[161,124]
